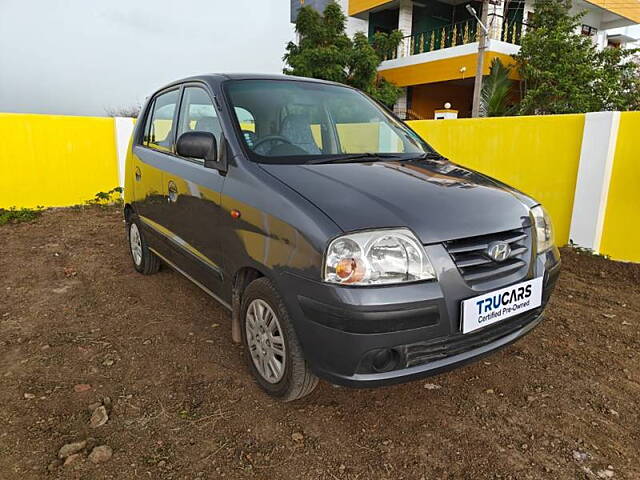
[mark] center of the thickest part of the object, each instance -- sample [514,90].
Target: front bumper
[345,331]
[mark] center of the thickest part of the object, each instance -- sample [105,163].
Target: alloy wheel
[135,242]
[265,341]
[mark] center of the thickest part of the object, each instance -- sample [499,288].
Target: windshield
[289,121]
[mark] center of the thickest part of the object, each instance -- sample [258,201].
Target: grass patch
[15,215]
[112,197]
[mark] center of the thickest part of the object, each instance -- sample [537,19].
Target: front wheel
[271,345]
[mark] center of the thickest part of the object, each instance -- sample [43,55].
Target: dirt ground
[561,403]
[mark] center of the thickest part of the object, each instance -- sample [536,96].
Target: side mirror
[200,145]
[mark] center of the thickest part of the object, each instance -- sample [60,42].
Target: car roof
[220,77]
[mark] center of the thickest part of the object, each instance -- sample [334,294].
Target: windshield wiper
[357,157]
[429,156]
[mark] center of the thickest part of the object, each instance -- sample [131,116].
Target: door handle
[138,174]
[172,190]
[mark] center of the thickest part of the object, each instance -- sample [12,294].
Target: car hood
[437,199]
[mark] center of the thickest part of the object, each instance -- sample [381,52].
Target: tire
[144,260]
[294,380]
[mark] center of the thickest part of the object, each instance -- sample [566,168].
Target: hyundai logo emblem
[499,251]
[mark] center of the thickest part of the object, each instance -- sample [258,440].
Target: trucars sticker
[498,305]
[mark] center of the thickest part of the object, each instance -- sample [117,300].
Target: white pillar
[496,12]
[400,107]
[527,14]
[594,176]
[123,130]
[405,21]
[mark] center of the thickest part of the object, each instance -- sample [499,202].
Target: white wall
[353,24]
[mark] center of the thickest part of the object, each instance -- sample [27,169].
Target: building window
[589,31]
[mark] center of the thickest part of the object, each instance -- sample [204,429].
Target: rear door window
[159,134]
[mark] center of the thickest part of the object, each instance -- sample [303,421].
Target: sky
[83,57]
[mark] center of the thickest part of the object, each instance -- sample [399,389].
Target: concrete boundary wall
[539,156]
[55,160]
[585,169]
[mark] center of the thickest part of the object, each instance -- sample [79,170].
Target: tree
[325,51]
[618,86]
[563,72]
[495,97]
[131,111]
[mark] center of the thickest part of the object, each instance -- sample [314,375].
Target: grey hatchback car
[344,246]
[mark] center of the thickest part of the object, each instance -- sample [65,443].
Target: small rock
[101,454]
[106,401]
[29,396]
[71,448]
[47,346]
[61,289]
[606,473]
[54,465]
[489,391]
[81,387]
[93,406]
[297,437]
[99,417]
[580,456]
[609,315]
[108,362]
[432,386]
[71,459]
[524,446]
[215,325]
[69,272]
[625,323]
[91,444]
[147,342]
[531,398]
[614,412]
[342,468]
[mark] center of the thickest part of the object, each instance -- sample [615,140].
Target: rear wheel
[271,346]
[144,260]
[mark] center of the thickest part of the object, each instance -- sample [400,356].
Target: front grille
[425,352]
[471,257]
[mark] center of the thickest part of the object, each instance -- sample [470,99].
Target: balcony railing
[455,34]
[512,31]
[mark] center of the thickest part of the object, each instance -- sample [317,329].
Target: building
[436,61]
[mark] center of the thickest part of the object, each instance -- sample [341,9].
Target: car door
[149,160]
[193,193]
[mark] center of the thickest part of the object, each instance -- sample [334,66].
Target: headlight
[379,257]
[543,227]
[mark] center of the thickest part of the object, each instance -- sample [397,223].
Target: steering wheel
[272,138]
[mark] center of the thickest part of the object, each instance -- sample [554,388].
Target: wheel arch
[128,212]
[241,280]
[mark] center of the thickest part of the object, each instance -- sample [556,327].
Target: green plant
[563,72]
[496,92]
[15,215]
[325,51]
[112,197]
